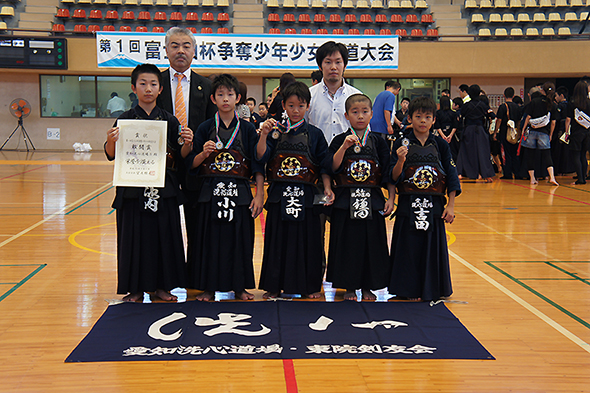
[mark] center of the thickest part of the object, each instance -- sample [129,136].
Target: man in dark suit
[198,107]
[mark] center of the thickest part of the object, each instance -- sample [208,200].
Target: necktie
[179,107]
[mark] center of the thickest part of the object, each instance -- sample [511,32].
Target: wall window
[84,96]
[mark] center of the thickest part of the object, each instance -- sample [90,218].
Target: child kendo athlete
[294,153]
[424,173]
[359,256]
[150,252]
[222,159]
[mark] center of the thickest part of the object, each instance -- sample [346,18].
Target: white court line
[52,216]
[581,343]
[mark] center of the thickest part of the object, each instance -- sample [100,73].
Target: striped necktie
[179,107]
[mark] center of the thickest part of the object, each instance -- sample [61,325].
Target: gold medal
[357,149]
[219,145]
[180,139]
[405,142]
[275,134]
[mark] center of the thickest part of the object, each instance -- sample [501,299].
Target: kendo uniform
[293,250]
[579,138]
[446,120]
[220,255]
[150,251]
[419,251]
[358,255]
[474,152]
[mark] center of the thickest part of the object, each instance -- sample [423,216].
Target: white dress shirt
[327,113]
[186,83]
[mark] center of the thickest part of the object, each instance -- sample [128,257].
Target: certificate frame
[140,153]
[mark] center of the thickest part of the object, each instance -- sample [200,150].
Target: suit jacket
[200,109]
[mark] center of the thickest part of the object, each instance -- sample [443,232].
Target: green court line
[91,199]
[573,275]
[547,279]
[540,295]
[24,280]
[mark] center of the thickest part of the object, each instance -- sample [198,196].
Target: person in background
[254,117]
[384,115]
[316,77]
[242,108]
[578,116]
[464,93]
[275,110]
[116,105]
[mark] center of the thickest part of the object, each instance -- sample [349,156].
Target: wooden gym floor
[520,258]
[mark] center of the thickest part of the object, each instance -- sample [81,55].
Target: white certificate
[140,153]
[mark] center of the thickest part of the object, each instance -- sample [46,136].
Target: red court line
[548,193]
[21,173]
[290,379]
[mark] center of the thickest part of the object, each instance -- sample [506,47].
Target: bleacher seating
[354,32]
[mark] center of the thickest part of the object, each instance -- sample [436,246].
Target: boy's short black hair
[517,100]
[353,99]
[251,99]
[464,87]
[145,69]
[446,91]
[263,104]
[562,91]
[394,84]
[509,92]
[458,101]
[327,48]
[317,76]
[405,99]
[228,81]
[298,89]
[422,104]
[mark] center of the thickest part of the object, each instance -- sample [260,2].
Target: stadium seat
[322,31]
[515,4]
[192,3]
[377,4]
[112,14]
[548,32]
[175,16]
[144,15]
[411,18]
[162,3]
[539,17]
[516,32]
[417,33]
[577,3]
[530,4]
[222,4]
[206,30]
[157,29]
[302,4]
[501,32]
[571,17]
[406,4]
[67,1]
[554,17]
[62,13]
[160,15]
[484,33]
[306,31]
[222,30]
[381,18]
[362,4]
[207,17]
[508,18]
[208,3]
[532,32]
[128,15]
[288,4]
[369,32]
[193,30]
[84,2]
[131,2]
[393,4]
[561,3]
[116,2]
[125,28]
[141,29]
[80,29]
[335,18]
[564,31]
[223,17]
[317,4]
[495,18]
[58,27]
[366,18]
[338,31]
[272,17]
[384,32]
[79,14]
[332,4]
[290,31]
[354,32]
[500,4]
[193,17]
[272,3]
[545,3]
[177,3]
[350,18]
[94,14]
[347,4]
[427,18]
[523,18]
[319,18]
[93,28]
[304,18]
[432,33]
[477,18]
[274,30]
[108,28]
[397,18]
[421,4]
[470,4]
[485,4]
[401,32]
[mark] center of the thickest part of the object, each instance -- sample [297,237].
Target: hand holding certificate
[140,154]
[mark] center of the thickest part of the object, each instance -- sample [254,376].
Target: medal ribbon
[289,126]
[234,133]
[362,142]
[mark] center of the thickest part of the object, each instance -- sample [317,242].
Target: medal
[180,139]
[405,142]
[361,142]
[219,145]
[275,134]
[357,149]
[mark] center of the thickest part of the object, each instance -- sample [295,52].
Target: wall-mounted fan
[20,108]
